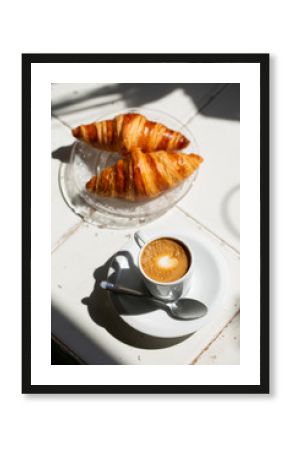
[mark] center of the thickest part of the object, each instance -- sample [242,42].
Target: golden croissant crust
[144,175]
[126,132]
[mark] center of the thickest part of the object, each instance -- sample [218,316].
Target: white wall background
[135,421]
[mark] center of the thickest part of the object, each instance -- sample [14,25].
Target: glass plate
[86,162]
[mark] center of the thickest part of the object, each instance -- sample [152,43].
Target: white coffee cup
[171,290]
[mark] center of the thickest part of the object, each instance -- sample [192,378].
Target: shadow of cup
[105,309]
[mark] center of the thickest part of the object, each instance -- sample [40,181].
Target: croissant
[129,131]
[144,175]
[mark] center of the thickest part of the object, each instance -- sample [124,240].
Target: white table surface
[80,250]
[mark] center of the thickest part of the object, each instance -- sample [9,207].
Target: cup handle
[140,239]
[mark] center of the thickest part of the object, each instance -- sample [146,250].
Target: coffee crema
[165,260]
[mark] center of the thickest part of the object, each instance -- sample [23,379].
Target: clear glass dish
[86,162]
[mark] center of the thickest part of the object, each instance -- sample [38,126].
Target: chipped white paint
[225,349]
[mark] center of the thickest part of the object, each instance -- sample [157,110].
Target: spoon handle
[120,289]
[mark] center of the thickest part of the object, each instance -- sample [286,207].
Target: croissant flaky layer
[144,175]
[126,132]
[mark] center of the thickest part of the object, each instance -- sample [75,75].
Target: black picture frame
[263,61]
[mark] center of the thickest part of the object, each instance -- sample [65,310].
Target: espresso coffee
[165,260]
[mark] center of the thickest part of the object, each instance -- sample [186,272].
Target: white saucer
[209,285]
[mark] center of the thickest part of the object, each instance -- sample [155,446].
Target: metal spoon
[181,309]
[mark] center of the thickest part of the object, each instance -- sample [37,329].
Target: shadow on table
[226,106]
[140,94]
[105,309]
[63,153]
[77,341]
